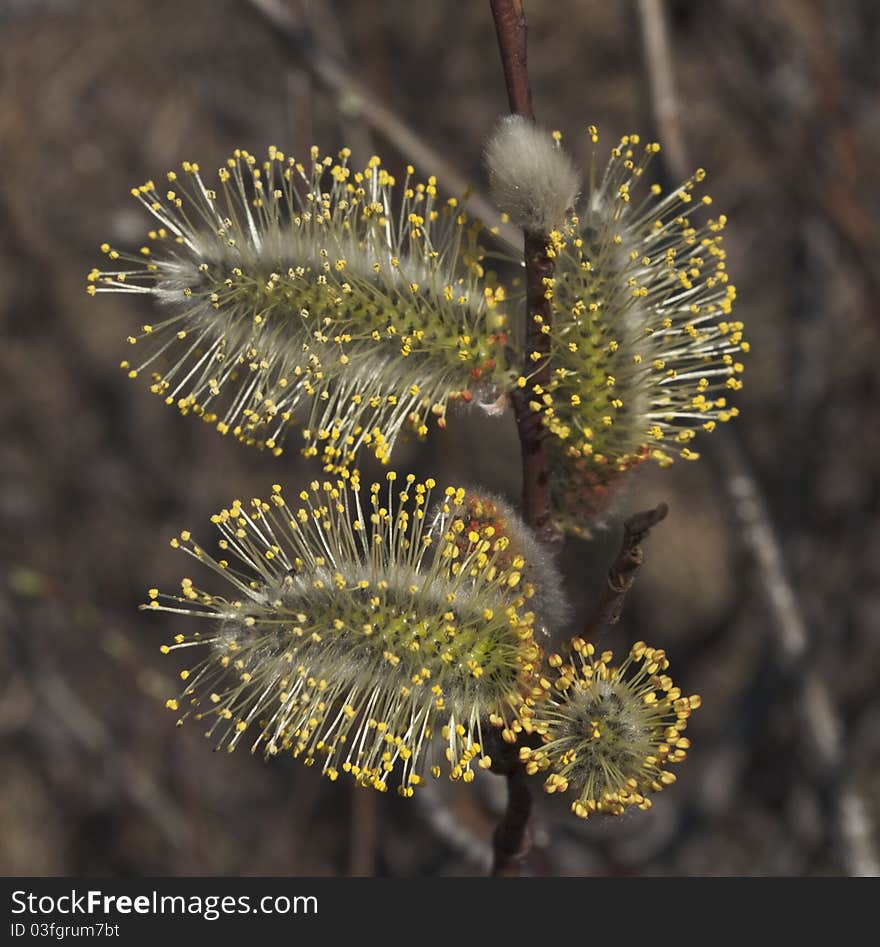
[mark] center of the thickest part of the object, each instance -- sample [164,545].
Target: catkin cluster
[385,633]
[386,637]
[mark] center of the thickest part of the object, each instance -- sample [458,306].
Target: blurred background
[762,584]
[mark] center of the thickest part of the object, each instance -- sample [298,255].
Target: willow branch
[511,30]
[511,838]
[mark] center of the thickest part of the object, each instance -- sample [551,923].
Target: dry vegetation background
[779,101]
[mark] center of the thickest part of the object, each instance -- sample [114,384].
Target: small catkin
[609,733]
[532,179]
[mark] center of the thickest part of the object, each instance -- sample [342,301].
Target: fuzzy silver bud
[531,178]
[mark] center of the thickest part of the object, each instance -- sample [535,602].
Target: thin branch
[821,726]
[536,472]
[757,530]
[660,81]
[760,540]
[512,32]
[623,570]
[357,99]
[511,839]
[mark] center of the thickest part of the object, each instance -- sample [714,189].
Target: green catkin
[643,352]
[321,293]
[361,638]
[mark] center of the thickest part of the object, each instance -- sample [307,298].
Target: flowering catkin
[355,634]
[319,292]
[643,353]
[609,732]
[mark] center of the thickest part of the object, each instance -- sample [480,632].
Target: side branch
[623,570]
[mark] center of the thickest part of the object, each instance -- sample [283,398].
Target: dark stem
[536,485]
[623,570]
[364,832]
[510,841]
[512,31]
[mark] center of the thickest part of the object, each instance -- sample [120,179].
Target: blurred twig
[820,723]
[321,19]
[76,720]
[355,98]
[827,186]
[449,830]
[363,832]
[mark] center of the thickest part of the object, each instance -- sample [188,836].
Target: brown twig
[623,570]
[356,99]
[470,847]
[536,487]
[510,841]
[757,531]
[659,79]
[512,32]
[820,722]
